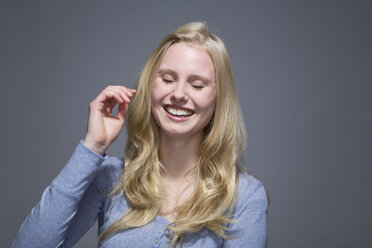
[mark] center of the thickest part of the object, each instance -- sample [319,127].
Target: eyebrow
[167,71]
[192,77]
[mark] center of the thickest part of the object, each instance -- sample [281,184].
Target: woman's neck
[178,155]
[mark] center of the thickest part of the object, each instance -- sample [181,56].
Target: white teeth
[178,112]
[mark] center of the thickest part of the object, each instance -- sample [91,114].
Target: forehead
[186,58]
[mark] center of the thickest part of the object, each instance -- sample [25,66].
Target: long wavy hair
[215,193]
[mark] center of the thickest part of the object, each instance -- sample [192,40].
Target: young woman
[179,184]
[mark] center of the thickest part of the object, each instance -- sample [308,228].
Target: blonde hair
[215,192]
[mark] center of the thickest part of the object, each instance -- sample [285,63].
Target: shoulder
[249,227]
[108,173]
[251,194]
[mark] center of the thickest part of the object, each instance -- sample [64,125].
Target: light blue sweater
[76,199]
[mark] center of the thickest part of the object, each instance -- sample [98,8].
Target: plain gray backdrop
[303,75]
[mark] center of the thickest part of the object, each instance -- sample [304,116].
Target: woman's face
[184,91]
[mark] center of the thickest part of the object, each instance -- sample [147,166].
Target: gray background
[303,77]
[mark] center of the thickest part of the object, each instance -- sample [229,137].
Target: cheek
[155,93]
[208,102]
[211,109]
[158,91]
[207,108]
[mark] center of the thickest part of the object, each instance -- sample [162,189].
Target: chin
[179,133]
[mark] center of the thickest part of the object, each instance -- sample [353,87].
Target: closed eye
[198,87]
[166,80]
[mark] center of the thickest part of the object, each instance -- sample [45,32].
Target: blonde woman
[179,184]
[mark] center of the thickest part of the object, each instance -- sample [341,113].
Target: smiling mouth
[177,111]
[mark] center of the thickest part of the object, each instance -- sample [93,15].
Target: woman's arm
[49,221]
[51,218]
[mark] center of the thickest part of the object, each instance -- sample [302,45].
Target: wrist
[99,149]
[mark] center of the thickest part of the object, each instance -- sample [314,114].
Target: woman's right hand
[103,127]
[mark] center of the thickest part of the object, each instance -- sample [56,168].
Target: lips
[178,111]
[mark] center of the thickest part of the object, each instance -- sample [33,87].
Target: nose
[179,92]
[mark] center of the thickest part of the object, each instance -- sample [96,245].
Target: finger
[112,102]
[106,95]
[121,87]
[123,106]
[108,107]
[122,91]
[122,111]
[112,94]
[127,91]
[132,91]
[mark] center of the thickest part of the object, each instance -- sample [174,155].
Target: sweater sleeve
[51,221]
[250,229]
